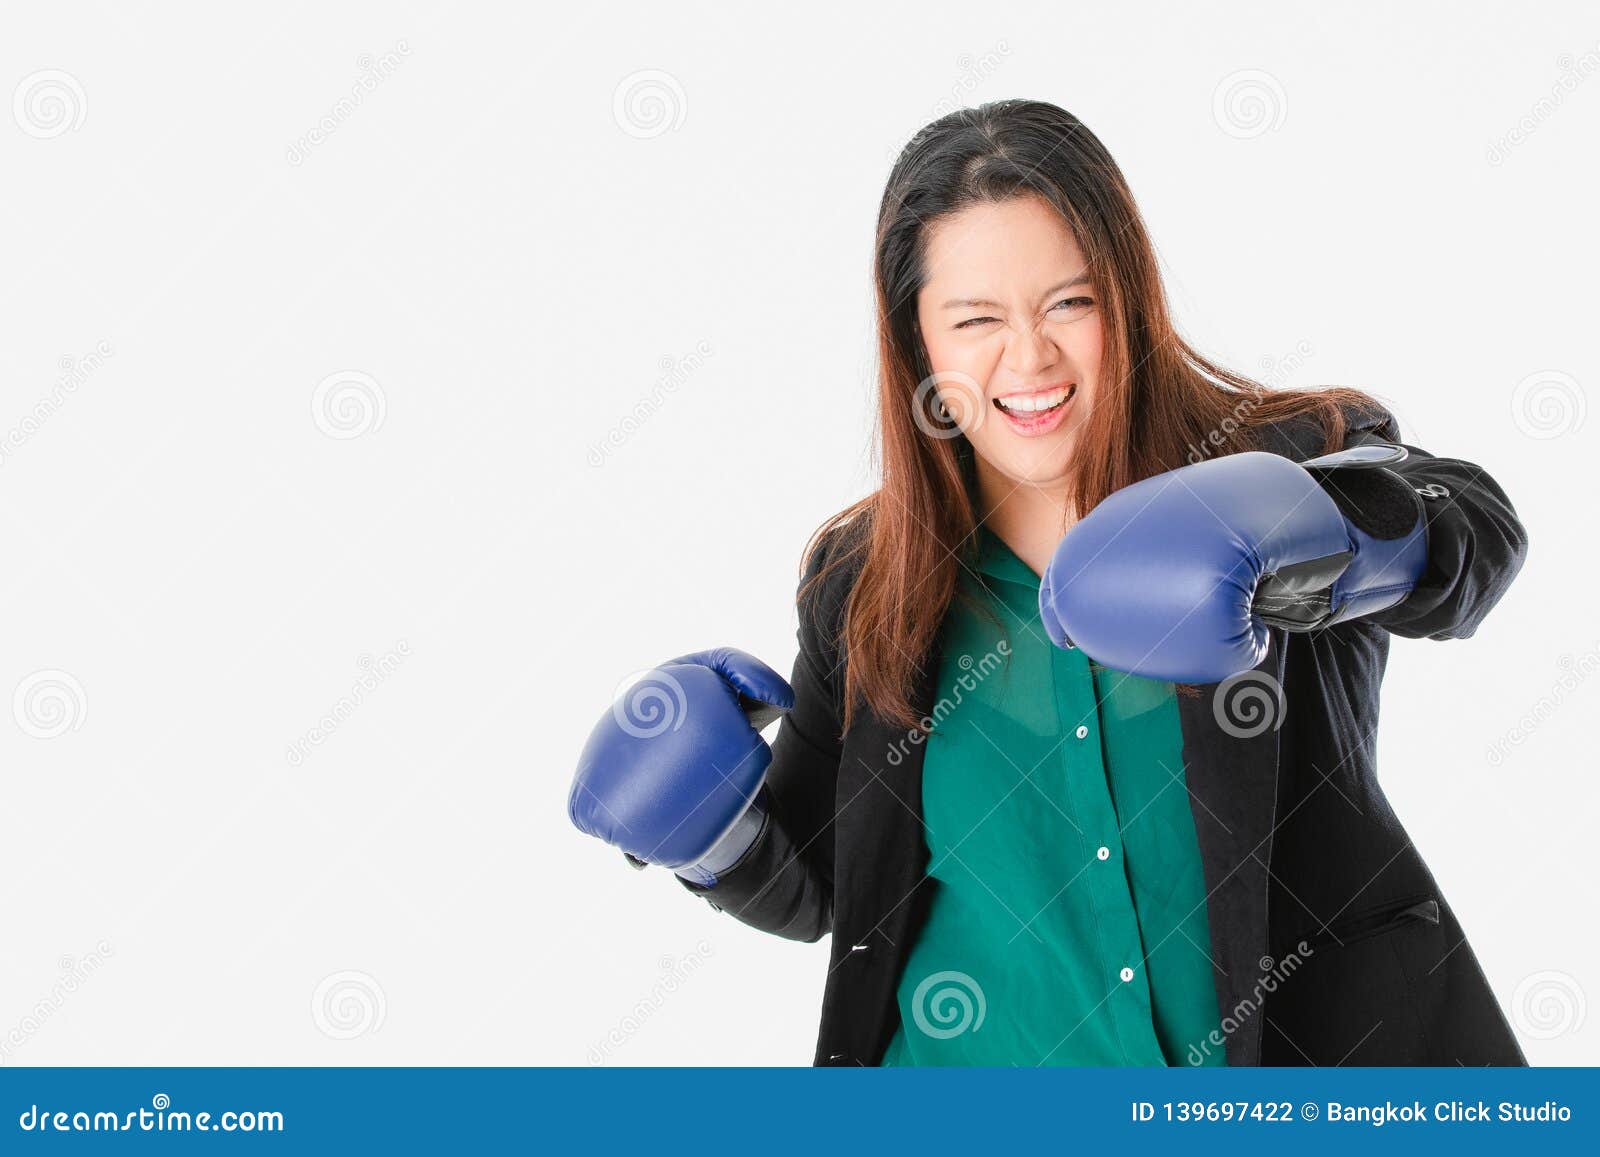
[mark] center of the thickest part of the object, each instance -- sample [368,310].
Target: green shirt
[1068,923]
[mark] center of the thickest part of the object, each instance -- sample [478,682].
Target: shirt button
[1104,853]
[1082,731]
[1127,974]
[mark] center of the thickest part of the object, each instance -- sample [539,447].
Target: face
[1012,328]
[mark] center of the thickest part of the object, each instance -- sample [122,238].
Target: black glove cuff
[1374,499]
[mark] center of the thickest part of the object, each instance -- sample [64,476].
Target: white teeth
[1027,404]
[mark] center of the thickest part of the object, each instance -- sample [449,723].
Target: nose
[1029,354]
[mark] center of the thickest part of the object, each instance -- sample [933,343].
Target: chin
[1045,463]
[1026,472]
[1036,464]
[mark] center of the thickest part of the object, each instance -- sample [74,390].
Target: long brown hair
[1159,403]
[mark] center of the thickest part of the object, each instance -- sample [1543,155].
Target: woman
[1077,761]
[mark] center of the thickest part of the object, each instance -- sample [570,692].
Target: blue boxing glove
[671,773]
[1180,575]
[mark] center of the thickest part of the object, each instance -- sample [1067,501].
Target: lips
[1038,411]
[1036,402]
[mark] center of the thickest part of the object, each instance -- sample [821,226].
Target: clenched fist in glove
[1180,575]
[671,773]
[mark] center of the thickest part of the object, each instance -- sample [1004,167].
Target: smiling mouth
[1031,407]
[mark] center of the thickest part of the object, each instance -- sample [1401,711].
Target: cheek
[961,396]
[960,371]
[945,353]
[1085,346]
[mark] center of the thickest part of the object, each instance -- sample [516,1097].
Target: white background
[200,555]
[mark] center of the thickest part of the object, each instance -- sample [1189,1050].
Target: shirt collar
[998,561]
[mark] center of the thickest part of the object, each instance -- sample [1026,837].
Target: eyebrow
[969,302]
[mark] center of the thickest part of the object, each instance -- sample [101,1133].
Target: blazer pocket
[1376,920]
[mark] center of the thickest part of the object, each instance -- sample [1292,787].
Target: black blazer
[1333,944]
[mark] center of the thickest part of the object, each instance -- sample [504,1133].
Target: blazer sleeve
[1476,542]
[783,884]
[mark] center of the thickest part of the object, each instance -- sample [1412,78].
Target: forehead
[1016,245]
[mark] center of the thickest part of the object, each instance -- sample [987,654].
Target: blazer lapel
[1230,755]
[881,889]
